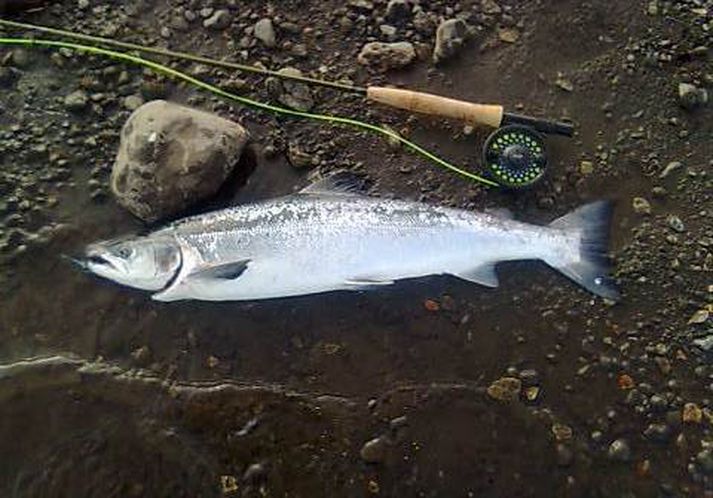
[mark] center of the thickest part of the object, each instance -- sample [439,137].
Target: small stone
[505,389]
[255,473]
[228,484]
[659,433]
[564,83]
[398,11]
[76,101]
[508,35]
[431,305]
[700,316]
[297,157]
[374,450]
[704,460]
[20,58]
[265,32]
[531,393]
[562,432]
[675,223]
[141,355]
[586,167]
[691,414]
[619,450]
[691,97]
[385,56]
[387,30]
[450,37]
[133,102]
[8,76]
[625,382]
[220,19]
[491,7]
[641,206]
[672,167]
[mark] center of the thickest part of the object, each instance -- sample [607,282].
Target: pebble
[672,167]
[374,450]
[398,11]
[228,484]
[691,97]
[265,32]
[133,102]
[586,167]
[388,31]
[491,7]
[562,432]
[385,56]
[675,223]
[297,157]
[641,206]
[691,414]
[704,459]
[255,473]
[8,76]
[220,19]
[76,101]
[659,433]
[505,389]
[619,450]
[508,35]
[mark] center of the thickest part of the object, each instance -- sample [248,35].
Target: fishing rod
[173,73]
[514,154]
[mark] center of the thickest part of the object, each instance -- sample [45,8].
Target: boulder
[171,157]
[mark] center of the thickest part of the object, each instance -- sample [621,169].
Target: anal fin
[483,275]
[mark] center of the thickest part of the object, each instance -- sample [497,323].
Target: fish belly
[327,260]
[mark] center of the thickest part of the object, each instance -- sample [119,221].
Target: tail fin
[589,266]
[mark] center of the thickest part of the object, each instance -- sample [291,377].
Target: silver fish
[330,237]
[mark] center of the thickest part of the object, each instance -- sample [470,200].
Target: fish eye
[124,252]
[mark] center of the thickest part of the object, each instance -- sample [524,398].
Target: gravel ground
[430,388]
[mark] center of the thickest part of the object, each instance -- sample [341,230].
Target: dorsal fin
[338,183]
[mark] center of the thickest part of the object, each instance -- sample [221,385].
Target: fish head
[147,263]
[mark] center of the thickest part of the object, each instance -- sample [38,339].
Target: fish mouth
[85,262]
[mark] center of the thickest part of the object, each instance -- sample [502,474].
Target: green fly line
[160,68]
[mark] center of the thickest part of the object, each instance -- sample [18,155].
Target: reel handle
[427,103]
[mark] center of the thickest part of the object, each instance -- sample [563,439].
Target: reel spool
[515,156]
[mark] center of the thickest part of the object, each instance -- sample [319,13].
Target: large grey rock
[385,56]
[171,157]
[450,37]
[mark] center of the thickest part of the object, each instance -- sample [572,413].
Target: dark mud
[278,398]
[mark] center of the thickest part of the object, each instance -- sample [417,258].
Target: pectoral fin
[483,275]
[226,271]
[366,283]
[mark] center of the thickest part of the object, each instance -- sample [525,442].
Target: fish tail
[587,261]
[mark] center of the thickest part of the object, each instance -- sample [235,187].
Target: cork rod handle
[426,103]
